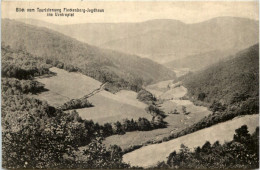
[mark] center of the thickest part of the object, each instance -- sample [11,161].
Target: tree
[97,156]
[143,124]
[201,96]
[118,128]
[242,135]
[108,130]
[184,109]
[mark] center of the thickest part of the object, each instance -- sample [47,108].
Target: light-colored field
[174,93]
[110,107]
[152,154]
[65,86]
[176,122]
[167,90]
[159,88]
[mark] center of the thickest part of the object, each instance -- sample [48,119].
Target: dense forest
[229,82]
[240,153]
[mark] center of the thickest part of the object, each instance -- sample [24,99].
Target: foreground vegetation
[240,153]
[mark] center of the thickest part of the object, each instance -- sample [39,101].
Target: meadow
[65,86]
[145,157]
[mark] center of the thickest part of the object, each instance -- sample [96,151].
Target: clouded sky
[188,12]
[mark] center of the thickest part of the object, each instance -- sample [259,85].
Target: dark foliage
[11,86]
[146,97]
[142,124]
[155,111]
[76,104]
[21,65]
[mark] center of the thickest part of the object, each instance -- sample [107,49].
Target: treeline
[21,65]
[142,124]
[240,153]
[76,104]
[12,86]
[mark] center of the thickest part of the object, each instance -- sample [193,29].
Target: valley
[156,91]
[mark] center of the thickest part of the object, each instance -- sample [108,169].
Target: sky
[134,11]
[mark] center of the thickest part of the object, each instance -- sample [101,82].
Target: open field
[176,122]
[110,107]
[65,86]
[158,88]
[149,155]
[167,90]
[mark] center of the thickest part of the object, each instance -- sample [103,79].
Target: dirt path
[96,91]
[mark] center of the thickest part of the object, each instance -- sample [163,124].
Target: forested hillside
[120,70]
[231,82]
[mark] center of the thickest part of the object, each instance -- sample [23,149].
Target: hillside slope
[230,82]
[164,40]
[121,70]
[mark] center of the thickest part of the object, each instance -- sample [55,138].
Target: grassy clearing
[65,86]
[146,157]
[110,107]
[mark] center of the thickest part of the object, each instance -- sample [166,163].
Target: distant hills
[201,61]
[164,40]
[104,65]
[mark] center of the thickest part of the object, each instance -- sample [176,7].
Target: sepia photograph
[130,84]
